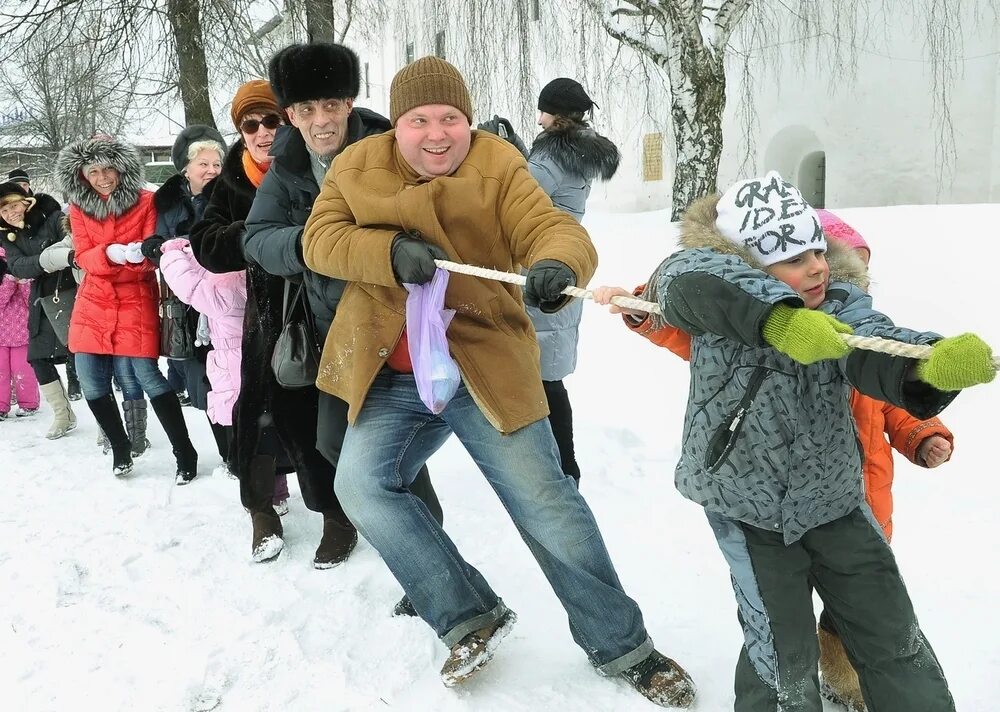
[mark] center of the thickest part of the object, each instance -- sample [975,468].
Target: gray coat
[768,441]
[565,159]
[273,237]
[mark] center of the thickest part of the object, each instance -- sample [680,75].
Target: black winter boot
[168,412]
[339,539]
[73,391]
[105,411]
[256,493]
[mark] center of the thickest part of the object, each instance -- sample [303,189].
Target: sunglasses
[250,126]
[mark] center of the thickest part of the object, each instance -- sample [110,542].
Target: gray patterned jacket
[768,441]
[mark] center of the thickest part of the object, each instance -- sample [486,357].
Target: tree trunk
[320,21]
[697,103]
[185,22]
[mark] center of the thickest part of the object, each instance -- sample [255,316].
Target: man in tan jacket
[391,204]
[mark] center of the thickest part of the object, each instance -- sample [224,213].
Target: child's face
[808,274]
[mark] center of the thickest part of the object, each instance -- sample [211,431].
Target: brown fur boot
[267,535]
[338,541]
[839,681]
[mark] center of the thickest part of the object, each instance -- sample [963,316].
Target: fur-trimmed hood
[577,149]
[698,230]
[124,158]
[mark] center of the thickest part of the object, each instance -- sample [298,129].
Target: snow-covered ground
[140,596]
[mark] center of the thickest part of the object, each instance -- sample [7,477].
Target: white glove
[133,253]
[115,253]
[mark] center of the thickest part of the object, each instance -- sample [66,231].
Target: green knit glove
[806,335]
[958,362]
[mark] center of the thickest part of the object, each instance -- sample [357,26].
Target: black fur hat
[321,70]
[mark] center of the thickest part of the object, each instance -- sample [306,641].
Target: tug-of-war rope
[868,343]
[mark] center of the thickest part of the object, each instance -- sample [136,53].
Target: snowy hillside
[139,596]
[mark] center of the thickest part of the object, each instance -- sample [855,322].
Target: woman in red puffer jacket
[115,323]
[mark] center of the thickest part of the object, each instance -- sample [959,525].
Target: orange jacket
[875,420]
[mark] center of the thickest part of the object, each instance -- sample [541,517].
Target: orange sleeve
[669,337]
[906,432]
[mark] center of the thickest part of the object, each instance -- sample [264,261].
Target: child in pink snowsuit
[222,299]
[14,347]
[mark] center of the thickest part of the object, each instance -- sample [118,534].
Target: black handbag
[58,308]
[295,360]
[176,339]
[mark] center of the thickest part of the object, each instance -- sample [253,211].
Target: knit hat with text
[769,218]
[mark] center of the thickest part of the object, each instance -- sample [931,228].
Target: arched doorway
[811,179]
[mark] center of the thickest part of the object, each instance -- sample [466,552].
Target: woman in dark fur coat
[180,203]
[565,158]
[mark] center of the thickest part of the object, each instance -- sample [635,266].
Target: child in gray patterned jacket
[770,447]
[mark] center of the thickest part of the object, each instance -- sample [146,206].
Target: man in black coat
[316,85]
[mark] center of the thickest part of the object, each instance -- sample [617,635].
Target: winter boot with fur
[64,420]
[135,424]
[257,493]
[661,681]
[838,681]
[339,539]
[105,410]
[168,412]
[471,653]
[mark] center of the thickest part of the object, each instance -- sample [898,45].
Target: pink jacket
[13,309]
[222,299]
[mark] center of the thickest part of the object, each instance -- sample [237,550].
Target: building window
[409,53]
[439,44]
[368,83]
[652,157]
[536,10]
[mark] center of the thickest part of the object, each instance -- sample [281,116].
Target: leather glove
[958,362]
[806,335]
[502,128]
[115,253]
[413,259]
[151,247]
[544,284]
[133,253]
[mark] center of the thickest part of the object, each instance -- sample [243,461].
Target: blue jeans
[383,451]
[134,375]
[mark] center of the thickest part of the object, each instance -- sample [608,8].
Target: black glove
[502,128]
[72,259]
[3,267]
[413,259]
[544,284]
[151,248]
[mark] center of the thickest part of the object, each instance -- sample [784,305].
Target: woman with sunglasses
[266,445]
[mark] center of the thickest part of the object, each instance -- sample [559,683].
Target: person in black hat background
[197,154]
[316,84]
[565,159]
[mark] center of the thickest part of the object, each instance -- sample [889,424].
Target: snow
[136,594]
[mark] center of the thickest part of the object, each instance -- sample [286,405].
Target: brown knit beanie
[428,80]
[255,94]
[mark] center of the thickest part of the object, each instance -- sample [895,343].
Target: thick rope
[868,343]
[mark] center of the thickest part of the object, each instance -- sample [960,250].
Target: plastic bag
[435,371]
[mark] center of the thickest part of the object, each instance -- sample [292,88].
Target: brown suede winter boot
[267,535]
[472,652]
[339,539]
[838,681]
